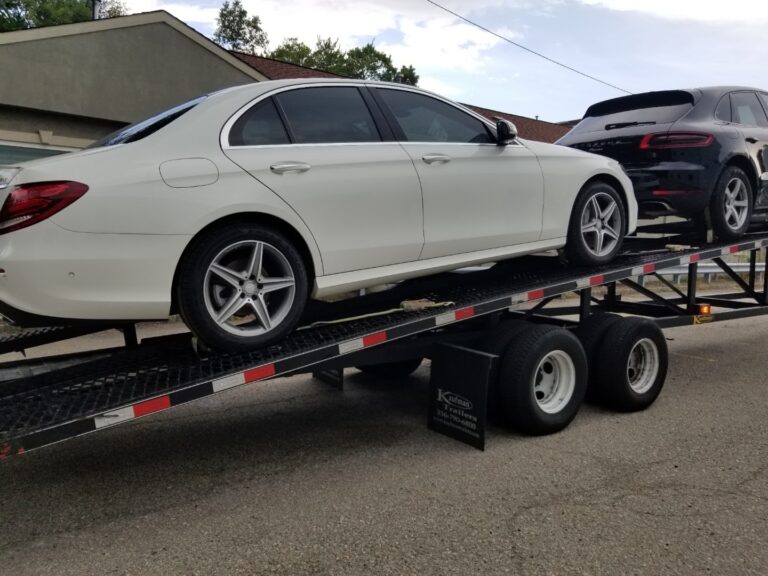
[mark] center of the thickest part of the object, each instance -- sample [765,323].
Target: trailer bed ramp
[47,408]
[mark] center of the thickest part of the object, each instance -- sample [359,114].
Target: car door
[321,151]
[752,121]
[477,195]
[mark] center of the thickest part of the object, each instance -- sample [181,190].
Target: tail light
[28,204]
[676,140]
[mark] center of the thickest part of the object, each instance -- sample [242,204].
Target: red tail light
[676,140]
[28,204]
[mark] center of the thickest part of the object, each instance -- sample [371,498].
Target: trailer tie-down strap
[405,306]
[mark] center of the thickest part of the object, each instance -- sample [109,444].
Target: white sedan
[233,209]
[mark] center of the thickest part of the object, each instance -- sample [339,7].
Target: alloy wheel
[736,203]
[601,224]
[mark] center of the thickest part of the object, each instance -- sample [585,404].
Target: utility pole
[95,4]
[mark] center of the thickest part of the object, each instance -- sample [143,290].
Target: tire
[264,310]
[392,370]
[632,364]
[590,333]
[730,217]
[542,380]
[596,239]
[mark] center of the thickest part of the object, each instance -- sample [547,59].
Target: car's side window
[723,110]
[259,126]
[747,110]
[425,119]
[764,98]
[328,114]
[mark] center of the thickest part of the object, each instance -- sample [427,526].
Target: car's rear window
[637,109]
[144,128]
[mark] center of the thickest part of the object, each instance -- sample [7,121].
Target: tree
[363,62]
[237,31]
[22,14]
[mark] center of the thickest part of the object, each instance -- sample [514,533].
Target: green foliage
[237,31]
[22,14]
[363,62]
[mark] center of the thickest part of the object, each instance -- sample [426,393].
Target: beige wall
[122,74]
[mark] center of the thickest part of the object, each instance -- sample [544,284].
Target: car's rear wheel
[241,287]
[597,226]
[731,204]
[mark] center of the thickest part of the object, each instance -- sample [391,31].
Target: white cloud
[715,11]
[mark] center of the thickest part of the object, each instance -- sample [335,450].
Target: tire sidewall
[191,285]
[716,205]
[576,249]
[612,377]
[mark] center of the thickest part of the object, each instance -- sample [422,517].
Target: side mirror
[505,131]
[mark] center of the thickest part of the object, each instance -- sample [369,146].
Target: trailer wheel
[542,380]
[392,370]
[590,333]
[632,364]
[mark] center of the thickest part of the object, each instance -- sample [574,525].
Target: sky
[637,45]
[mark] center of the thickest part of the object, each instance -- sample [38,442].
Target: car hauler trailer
[495,340]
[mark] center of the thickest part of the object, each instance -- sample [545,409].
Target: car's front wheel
[241,287]
[597,226]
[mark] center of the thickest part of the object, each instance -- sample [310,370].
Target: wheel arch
[268,220]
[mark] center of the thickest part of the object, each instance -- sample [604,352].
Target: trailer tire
[633,364]
[392,370]
[542,380]
[590,333]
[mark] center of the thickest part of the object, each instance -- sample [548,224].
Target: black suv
[694,153]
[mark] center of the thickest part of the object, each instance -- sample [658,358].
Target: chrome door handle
[289,167]
[436,158]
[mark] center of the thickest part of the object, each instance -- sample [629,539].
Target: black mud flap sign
[459,393]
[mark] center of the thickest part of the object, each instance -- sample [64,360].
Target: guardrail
[708,270]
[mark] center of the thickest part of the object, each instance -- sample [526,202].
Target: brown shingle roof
[528,128]
[279,70]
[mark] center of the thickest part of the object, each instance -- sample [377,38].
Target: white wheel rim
[249,288]
[736,203]
[554,382]
[601,224]
[643,366]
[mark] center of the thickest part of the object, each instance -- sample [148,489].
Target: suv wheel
[731,204]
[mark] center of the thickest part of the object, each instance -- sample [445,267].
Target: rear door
[477,195]
[751,119]
[321,151]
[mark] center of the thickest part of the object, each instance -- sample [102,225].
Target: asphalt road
[293,477]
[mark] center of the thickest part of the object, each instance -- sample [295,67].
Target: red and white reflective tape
[131,412]
[454,315]
[364,342]
[252,375]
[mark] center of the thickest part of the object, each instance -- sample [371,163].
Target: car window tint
[764,98]
[747,110]
[425,119]
[328,114]
[259,126]
[723,110]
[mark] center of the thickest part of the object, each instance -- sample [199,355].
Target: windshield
[139,130]
[636,110]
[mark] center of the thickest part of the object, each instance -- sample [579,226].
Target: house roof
[528,128]
[280,70]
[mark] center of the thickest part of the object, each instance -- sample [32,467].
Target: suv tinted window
[764,98]
[260,125]
[425,119]
[328,114]
[747,110]
[723,110]
[649,108]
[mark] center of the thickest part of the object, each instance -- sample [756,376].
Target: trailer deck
[43,402]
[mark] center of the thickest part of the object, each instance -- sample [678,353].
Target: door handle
[289,167]
[436,158]
[751,140]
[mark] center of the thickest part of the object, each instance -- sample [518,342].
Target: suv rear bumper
[672,188]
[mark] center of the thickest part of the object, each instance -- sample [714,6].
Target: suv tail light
[676,140]
[28,204]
